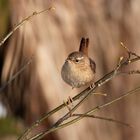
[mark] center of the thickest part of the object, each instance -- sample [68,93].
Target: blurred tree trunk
[50,37]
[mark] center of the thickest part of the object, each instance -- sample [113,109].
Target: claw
[92,86]
[67,103]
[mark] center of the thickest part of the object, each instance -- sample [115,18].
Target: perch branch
[54,128]
[84,93]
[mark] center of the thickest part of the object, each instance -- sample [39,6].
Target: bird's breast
[75,75]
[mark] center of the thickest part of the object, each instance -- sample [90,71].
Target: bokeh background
[50,37]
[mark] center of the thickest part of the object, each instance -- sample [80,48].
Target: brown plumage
[78,69]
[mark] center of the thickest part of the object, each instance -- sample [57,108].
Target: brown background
[50,37]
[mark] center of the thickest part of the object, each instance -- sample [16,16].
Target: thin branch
[15,75]
[119,63]
[22,22]
[131,72]
[42,134]
[86,92]
[128,51]
[100,93]
[97,84]
[102,118]
[10,33]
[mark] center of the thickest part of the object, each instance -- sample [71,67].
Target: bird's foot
[92,86]
[68,102]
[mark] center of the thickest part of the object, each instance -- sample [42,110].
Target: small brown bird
[79,69]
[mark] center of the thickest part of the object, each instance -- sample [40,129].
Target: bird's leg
[67,103]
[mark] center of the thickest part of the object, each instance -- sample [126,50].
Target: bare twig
[85,93]
[15,75]
[54,128]
[128,51]
[100,93]
[102,118]
[10,33]
[22,22]
[131,72]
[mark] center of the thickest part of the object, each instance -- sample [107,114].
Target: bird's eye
[77,61]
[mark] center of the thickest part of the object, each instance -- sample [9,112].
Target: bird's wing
[93,65]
